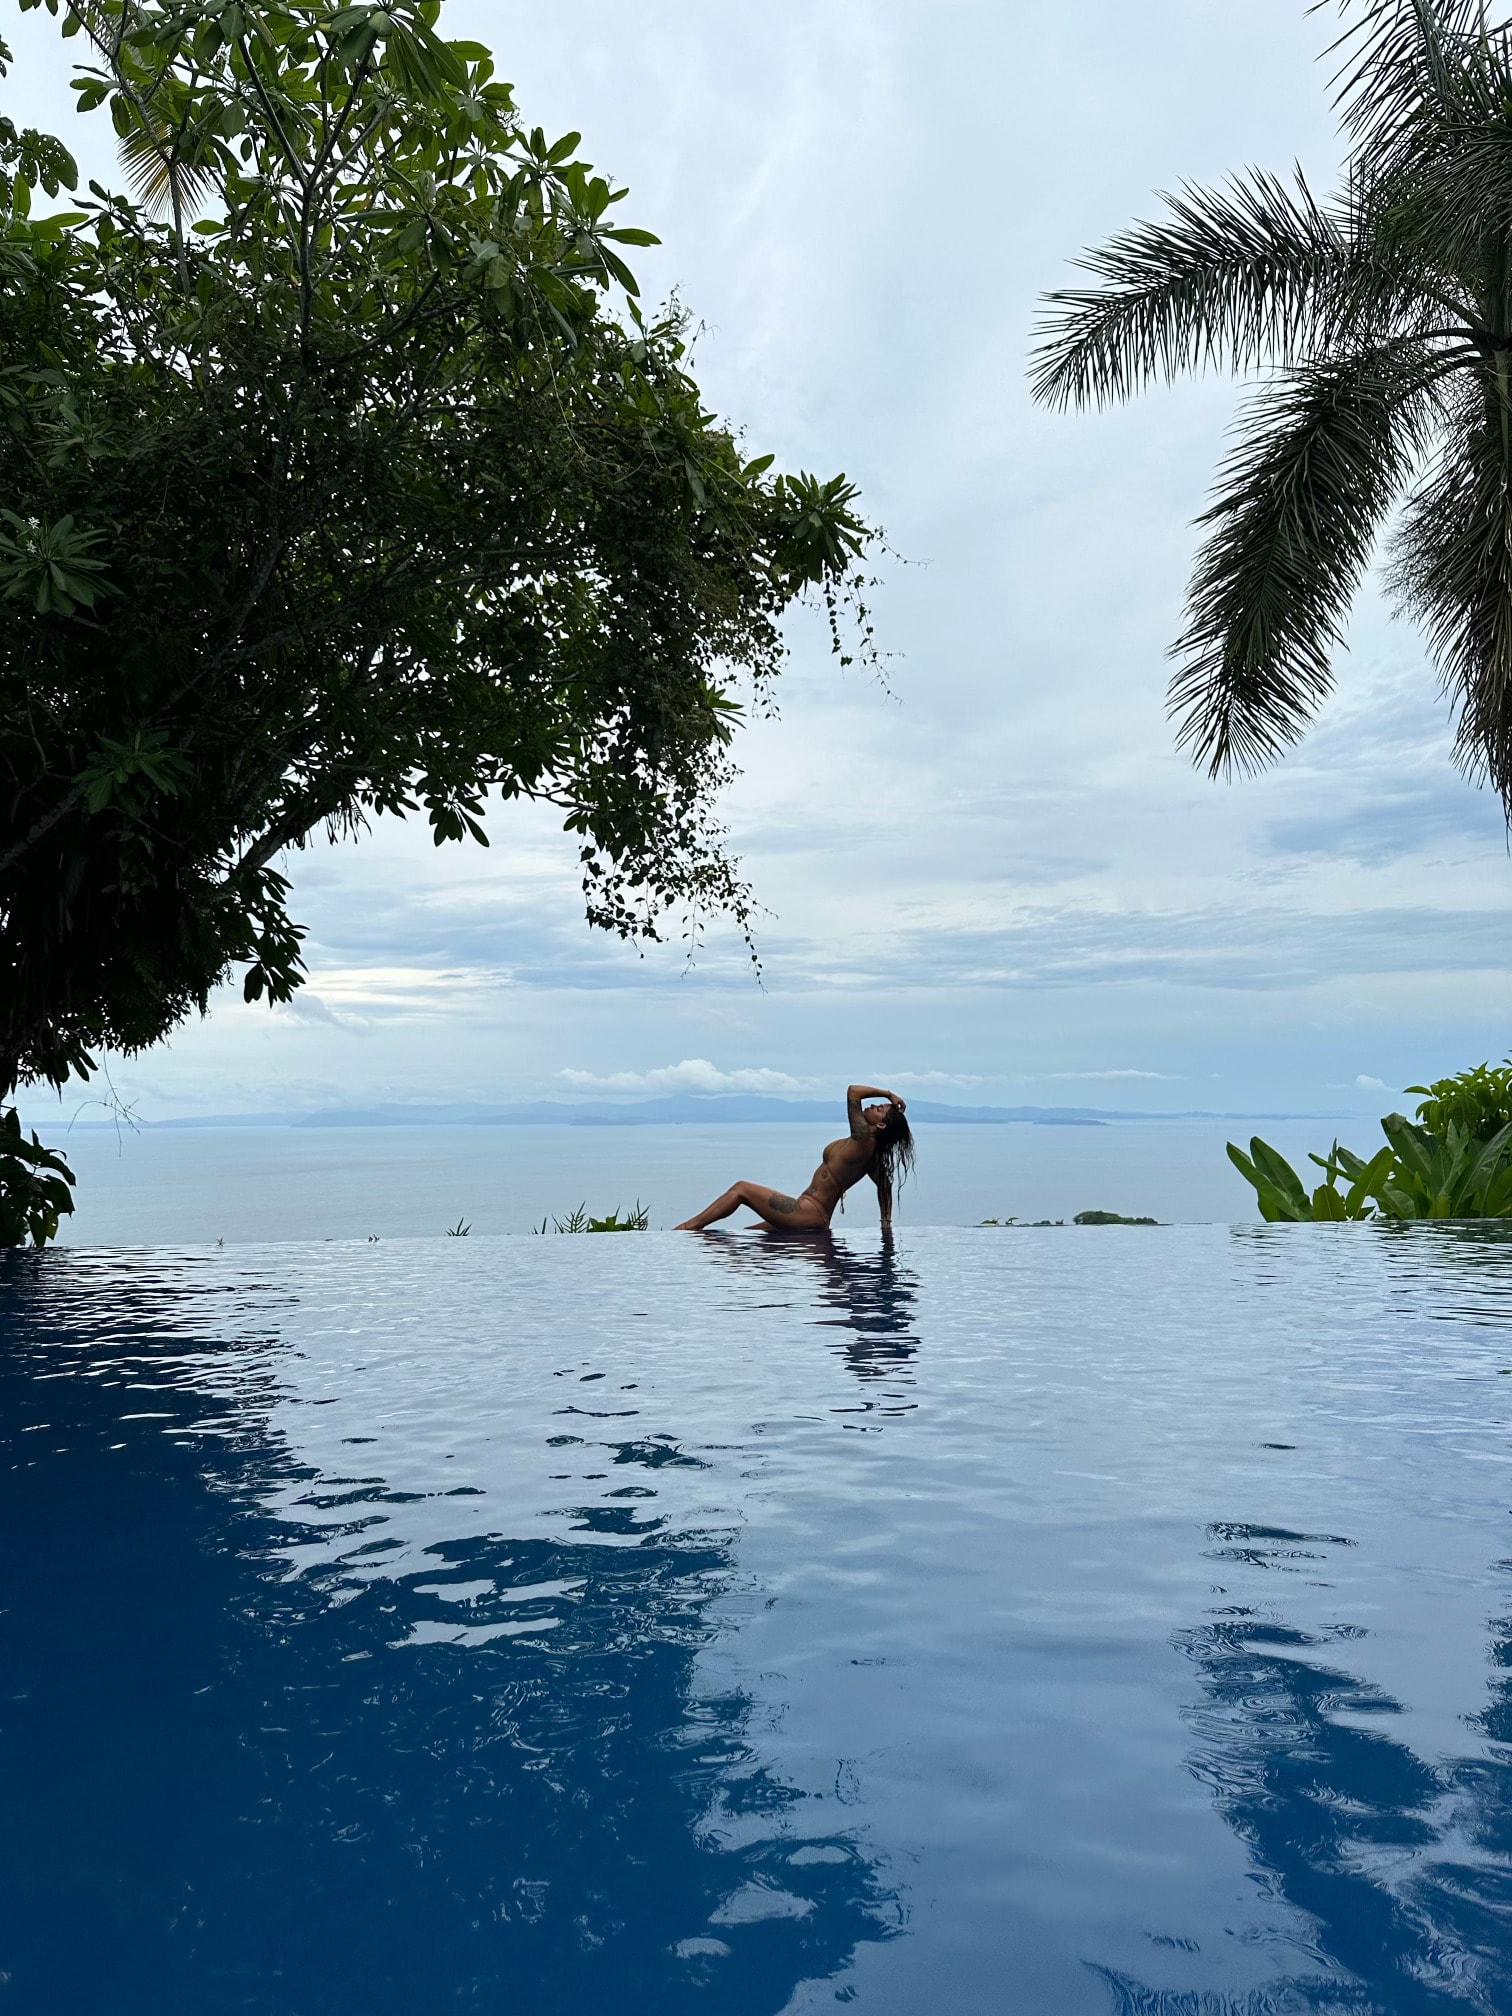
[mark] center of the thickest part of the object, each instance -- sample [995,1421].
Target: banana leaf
[1280,1177]
[1484,1166]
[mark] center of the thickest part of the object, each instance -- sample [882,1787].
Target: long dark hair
[894,1156]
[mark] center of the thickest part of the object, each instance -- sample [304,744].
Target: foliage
[1284,1197]
[1454,1162]
[35,1186]
[345,476]
[458,1231]
[579,1221]
[1381,319]
[1479,1099]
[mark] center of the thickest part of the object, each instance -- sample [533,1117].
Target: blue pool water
[1107,1620]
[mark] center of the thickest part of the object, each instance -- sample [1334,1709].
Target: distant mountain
[684,1109]
[687,1109]
[730,1108]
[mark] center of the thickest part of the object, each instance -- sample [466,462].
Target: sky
[992,879]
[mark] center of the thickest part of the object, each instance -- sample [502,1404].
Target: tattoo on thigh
[777,1202]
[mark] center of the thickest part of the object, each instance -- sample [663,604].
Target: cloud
[1377,819]
[356,996]
[957,1078]
[1165,1077]
[1261,947]
[1005,865]
[1369,1084]
[693,1074]
[307,1006]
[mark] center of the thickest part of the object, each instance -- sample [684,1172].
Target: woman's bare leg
[774,1207]
[722,1207]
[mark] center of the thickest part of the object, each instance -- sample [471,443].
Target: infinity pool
[1035,1621]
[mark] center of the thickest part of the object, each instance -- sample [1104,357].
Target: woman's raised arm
[853,1098]
[856,1093]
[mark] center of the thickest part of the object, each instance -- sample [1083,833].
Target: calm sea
[190,1186]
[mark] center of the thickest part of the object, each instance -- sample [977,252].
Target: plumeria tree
[345,475]
[1380,320]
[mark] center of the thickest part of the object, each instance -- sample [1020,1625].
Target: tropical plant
[1381,318]
[35,1186]
[1479,1099]
[579,1221]
[458,1231]
[345,476]
[1283,1197]
[1454,1162]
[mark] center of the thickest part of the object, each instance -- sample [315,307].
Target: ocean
[194,1186]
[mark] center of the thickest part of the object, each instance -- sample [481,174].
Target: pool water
[1102,1620]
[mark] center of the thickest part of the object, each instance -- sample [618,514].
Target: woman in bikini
[879,1145]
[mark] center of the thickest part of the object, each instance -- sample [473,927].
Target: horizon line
[443,1113]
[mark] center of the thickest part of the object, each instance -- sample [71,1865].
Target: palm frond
[161,164]
[167,133]
[1322,455]
[1401,62]
[1388,312]
[1428,102]
[1235,277]
[1452,569]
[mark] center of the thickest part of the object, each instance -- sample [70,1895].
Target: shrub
[1455,1161]
[35,1186]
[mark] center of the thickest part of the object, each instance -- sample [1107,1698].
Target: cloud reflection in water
[232,1782]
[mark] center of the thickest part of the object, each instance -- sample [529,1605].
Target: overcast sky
[999,881]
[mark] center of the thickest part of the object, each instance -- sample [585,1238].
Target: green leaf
[1282,1178]
[619,270]
[36,1186]
[1370,1179]
[1327,1205]
[1414,1147]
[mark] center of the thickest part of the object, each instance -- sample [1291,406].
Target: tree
[344,475]
[1382,320]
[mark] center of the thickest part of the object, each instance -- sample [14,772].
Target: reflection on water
[660,1624]
[872,1294]
[1400,1866]
[484,1784]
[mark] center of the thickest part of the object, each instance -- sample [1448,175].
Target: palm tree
[1381,319]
